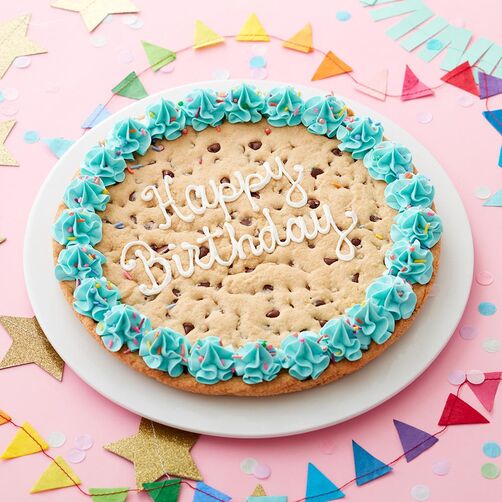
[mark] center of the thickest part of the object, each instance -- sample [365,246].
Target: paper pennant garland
[130,87]
[99,114]
[158,57]
[156,449]
[26,441]
[319,487]
[15,43]
[331,66]
[29,345]
[495,118]
[109,494]
[488,85]
[413,88]
[376,87]
[458,412]
[252,31]
[259,491]
[487,390]
[205,36]
[414,441]
[462,77]
[93,12]
[301,41]
[367,466]
[58,146]
[5,417]
[6,158]
[164,491]
[206,493]
[58,475]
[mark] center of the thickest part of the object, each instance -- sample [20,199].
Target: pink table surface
[466,145]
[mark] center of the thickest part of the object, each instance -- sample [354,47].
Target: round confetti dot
[9,109]
[465,101]
[84,442]
[259,73]
[456,377]
[434,44]
[22,62]
[490,470]
[420,493]
[262,471]
[482,193]
[169,68]
[484,278]
[11,94]
[129,19]
[491,449]
[31,136]
[441,467]
[75,456]
[257,62]
[491,345]
[248,465]
[56,439]
[138,24]
[468,332]
[424,117]
[221,74]
[475,377]
[98,41]
[343,15]
[125,56]
[487,308]
[259,49]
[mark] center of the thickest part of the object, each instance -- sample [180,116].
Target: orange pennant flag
[252,31]
[331,66]
[301,41]
[4,417]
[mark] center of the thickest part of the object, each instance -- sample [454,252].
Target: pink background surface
[465,144]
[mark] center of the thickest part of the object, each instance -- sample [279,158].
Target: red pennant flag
[462,77]
[486,391]
[413,88]
[458,412]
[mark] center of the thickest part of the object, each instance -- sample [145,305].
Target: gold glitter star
[15,43]
[6,158]
[157,450]
[29,345]
[93,12]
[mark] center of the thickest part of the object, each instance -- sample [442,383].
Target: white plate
[241,417]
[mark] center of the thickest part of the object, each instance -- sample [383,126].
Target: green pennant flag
[158,56]
[164,491]
[108,494]
[131,87]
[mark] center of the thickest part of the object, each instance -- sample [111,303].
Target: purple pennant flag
[414,441]
[489,85]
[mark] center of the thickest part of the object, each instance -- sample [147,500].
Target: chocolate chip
[149,225]
[176,292]
[356,241]
[133,218]
[329,261]
[311,245]
[322,322]
[248,269]
[168,172]
[374,218]
[204,284]
[246,221]
[273,313]
[336,151]
[316,171]
[214,148]
[203,251]
[355,277]
[256,195]
[132,196]
[268,287]
[313,203]
[188,326]
[255,145]
[225,180]
[318,303]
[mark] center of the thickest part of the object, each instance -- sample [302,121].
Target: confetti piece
[221,74]
[138,24]
[490,470]
[129,19]
[343,15]
[434,44]
[99,114]
[9,109]
[125,56]
[11,94]
[168,68]
[259,73]
[491,345]
[482,193]
[257,62]
[475,377]
[468,332]
[487,308]
[491,449]
[441,467]
[98,41]
[56,439]
[262,471]
[259,49]
[424,117]
[248,465]
[22,62]
[456,377]
[75,456]
[421,493]
[465,101]
[484,278]
[84,442]
[495,200]
[31,137]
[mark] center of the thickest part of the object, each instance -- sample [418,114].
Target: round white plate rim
[248,417]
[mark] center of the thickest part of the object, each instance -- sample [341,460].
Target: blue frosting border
[306,354]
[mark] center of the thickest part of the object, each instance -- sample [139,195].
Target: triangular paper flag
[319,487]
[376,87]
[206,493]
[157,56]
[331,66]
[164,491]
[462,77]
[301,41]
[130,87]
[4,418]
[205,36]
[489,85]
[109,494]
[413,88]
[458,412]
[26,441]
[58,146]
[252,31]
[487,390]
[367,466]
[495,118]
[259,491]
[58,475]
[414,441]
[496,199]
[99,114]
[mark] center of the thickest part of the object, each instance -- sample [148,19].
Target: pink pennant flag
[487,390]
[489,85]
[458,412]
[376,86]
[413,88]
